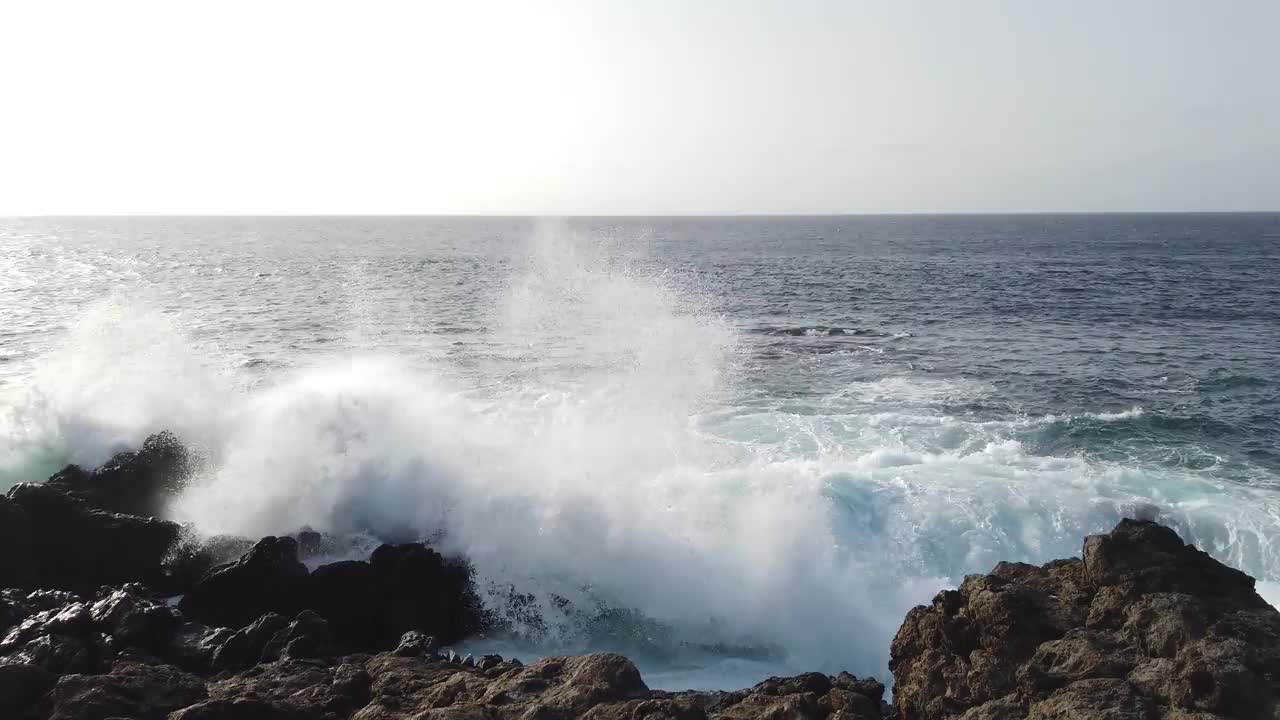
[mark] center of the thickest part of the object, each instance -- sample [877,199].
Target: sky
[563,107]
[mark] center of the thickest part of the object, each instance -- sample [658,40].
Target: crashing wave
[622,466]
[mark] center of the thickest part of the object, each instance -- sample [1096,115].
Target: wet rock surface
[136,483]
[1142,626]
[56,541]
[268,578]
[367,605]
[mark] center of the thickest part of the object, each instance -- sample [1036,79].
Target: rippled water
[774,433]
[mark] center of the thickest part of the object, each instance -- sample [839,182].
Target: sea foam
[620,465]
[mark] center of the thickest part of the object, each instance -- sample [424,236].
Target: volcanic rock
[137,483]
[77,548]
[132,690]
[22,686]
[194,645]
[1144,626]
[268,578]
[368,605]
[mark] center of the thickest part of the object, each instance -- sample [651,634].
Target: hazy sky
[638,106]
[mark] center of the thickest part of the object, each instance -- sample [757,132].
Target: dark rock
[303,648]
[306,637]
[83,637]
[811,695]
[194,645]
[191,558]
[676,708]
[415,588]
[240,709]
[11,610]
[38,600]
[1098,699]
[344,594]
[575,683]
[74,547]
[16,605]
[291,686]
[271,637]
[60,654]
[1080,655]
[134,621]
[1226,676]
[870,687]
[1143,557]
[554,687]
[137,483]
[310,542]
[1143,627]
[17,563]
[370,605]
[132,690]
[489,661]
[58,640]
[247,646]
[601,687]
[388,686]
[415,644]
[352,681]
[22,685]
[266,579]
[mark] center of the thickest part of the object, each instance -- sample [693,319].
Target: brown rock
[600,687]
[238,709]
[141,692]
[309,688]
[1101,699]
[1143,626]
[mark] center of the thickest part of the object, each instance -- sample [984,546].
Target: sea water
[731,447]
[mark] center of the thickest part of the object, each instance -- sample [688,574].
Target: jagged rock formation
[72,533]
[54,540]
[127,655]
[1142,627]
[135,483]
[368,605]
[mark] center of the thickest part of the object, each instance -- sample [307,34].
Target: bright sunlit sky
[638,106]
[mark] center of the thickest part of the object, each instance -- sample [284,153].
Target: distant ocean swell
[647,476]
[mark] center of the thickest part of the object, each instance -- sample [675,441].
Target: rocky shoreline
[1142,626]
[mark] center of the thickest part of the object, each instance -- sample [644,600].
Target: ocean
[732,447]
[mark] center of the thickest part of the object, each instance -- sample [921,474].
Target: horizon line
[675,215]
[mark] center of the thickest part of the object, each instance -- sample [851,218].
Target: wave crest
[599,449]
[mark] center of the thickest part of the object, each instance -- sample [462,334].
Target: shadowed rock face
[127,655]
[130,689]
[1143,626]
[268,578]
[82,529]
[138,483]
[368,605]
[54,540]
